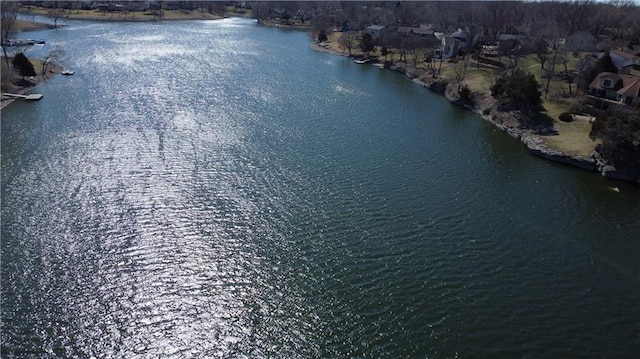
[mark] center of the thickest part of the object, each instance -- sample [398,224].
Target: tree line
[620,20]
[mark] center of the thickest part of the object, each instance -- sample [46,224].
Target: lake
[207,189]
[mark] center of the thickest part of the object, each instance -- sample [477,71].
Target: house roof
[375,27]
[634,49]
[422,31]
[633,89]
[583,34]
[624,55]
[627,85]
[415,30]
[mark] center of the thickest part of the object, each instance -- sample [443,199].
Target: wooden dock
[31,97]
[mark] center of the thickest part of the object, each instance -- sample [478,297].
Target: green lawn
[573,138]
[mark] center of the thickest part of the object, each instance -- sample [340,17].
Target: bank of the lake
[122,16]
[16,84]
[485,106]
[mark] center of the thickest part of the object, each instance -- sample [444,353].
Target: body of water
[215,189]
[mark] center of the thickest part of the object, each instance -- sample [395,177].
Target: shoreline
[507,122]
[133,16]
[54,69]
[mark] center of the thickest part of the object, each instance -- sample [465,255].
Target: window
[606,83]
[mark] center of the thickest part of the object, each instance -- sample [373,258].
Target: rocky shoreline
[507,122]
[534,143]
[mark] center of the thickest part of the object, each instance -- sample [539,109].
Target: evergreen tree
[23,65]
[518,91]
[605,64]
[619,131]
[367,43]
[322,35]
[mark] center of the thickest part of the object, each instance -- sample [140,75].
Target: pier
[31,97]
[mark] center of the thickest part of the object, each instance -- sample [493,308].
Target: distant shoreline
[132,16]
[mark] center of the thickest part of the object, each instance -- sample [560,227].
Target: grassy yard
[573,138]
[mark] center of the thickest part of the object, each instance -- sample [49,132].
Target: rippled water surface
[218,189]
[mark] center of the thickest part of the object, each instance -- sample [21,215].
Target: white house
[452,45]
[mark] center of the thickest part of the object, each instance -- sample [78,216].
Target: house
[375,30]
[581,41]
[137,6]
[422,31]
[624,61]
[633,49]
[508,43]
[452,45]
[617,89]
[89,5]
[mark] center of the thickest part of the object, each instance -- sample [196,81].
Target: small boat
[361,61]
[67,72]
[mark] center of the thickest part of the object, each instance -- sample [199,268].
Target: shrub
[566,117]
[322,35]
[465,93]
[23,65]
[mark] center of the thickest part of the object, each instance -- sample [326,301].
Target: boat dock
[31,97]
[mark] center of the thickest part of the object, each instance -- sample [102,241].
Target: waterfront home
[511,42]
[375,30]
[624,61]
[614,89]
[137,5]
[423,30]
[581,41]
[451,45]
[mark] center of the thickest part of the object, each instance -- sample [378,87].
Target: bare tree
[460,72]
[348,40]
[406,12]
[564,60]
[582,65]
[555,45]
[542,51]
[8,25]
[56,15]
[56,55]
[415,49]
[320,24]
